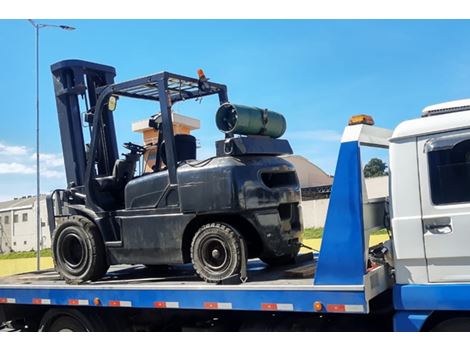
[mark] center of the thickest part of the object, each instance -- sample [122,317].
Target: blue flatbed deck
[275,289]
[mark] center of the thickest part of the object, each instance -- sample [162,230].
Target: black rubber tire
[78,251]
[461,324]
[70,320]
[287,259]
[223,238]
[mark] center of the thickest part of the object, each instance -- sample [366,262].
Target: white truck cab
[430,195]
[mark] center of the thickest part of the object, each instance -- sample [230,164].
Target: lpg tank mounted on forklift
[242,203]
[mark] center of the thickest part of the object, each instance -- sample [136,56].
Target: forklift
[216,214]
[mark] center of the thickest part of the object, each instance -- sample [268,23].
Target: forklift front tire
[216,252]
[78,251]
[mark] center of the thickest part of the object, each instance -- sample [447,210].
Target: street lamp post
[37,27]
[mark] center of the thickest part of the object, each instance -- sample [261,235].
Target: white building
[18,225]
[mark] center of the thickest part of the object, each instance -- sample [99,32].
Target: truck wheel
[216,252]
[281,260]
[70,320]
[78,250]
[455,324]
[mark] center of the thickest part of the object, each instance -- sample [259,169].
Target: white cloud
[13,150]
[52,173]
[16,168]
[18,171]
[20,160]
[50,160]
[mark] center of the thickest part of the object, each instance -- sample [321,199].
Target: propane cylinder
[247,120]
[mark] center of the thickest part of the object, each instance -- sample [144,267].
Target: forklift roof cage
[73,78]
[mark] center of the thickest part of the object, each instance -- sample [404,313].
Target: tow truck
[419,280]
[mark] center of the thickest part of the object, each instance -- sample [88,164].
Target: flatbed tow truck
[417,281]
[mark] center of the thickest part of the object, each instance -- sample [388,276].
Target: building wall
[20,235]
[45,231]
[314,211]
[23,231]
[151,136]
[377,187]
[5,232]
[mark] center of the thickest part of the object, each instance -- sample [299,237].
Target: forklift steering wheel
[134,148]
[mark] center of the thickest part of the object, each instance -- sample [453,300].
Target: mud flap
[242,276]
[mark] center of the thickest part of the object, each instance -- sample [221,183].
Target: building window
[25,217]
[43,224]
[14,243]
[7,220]
[15,218]
[25,242]
[449,172]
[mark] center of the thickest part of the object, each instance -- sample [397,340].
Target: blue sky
[317,73]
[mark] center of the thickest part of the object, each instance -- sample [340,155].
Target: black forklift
[216,214]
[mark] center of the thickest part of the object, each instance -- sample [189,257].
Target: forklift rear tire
[78,251]
[216,252]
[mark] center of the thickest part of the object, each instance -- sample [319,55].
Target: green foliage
[31,254]
[375,167]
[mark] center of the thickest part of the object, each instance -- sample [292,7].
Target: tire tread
[232,233]
[99,265]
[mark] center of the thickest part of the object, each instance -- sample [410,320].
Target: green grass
[309,234]
[314,232]
[31,254]
[317,232]
[380,232]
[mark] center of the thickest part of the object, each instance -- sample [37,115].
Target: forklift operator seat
[185,145]
[123,171]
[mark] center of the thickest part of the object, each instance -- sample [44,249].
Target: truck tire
[70,320]
[461,324]
[281,260]
[78,251]
[216,252]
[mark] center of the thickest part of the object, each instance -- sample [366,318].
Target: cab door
[444,173]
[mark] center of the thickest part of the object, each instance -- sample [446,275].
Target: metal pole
[37,27]
[38,190]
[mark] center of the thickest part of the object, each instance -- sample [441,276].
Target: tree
[375,167]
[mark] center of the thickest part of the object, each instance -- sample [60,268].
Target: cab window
[449,172]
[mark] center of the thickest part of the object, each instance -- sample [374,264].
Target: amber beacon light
[361,120]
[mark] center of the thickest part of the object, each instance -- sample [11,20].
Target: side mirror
[112,102]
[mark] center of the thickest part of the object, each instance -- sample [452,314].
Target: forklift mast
[74,79]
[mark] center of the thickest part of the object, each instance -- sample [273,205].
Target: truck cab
[430,195]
